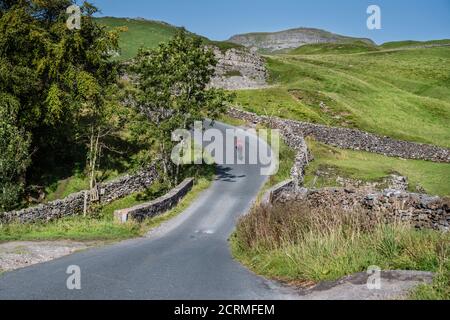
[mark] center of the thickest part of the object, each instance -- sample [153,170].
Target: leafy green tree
[173,89]
[14,154]
[57,77]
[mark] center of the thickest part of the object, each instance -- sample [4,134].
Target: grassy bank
[299,243]
[100,224]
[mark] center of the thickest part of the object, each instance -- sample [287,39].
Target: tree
[14,154]
[56,77]
[173,80]
[101,118]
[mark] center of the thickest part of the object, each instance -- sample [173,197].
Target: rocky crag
[236,69]
[239,69]
[290,39]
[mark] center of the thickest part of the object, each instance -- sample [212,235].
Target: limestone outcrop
[290,39]
[239,69]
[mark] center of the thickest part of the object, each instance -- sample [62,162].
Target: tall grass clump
[300,242]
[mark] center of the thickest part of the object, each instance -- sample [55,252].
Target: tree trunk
[93,155]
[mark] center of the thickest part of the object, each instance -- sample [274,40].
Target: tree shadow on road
[223,174]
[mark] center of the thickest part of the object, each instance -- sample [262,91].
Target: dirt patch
[16,255]
[395,285]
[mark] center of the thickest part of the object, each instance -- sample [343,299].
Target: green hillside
[141,33]
[403,94]
[359,46]
[335,48]
[410,43]
[147,34]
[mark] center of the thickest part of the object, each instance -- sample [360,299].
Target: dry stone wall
[422,211]
[74,204]
[351,139]
[156,207]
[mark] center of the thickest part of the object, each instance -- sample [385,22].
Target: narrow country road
[187,258]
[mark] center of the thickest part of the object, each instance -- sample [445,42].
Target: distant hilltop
[142,32]
[270,42]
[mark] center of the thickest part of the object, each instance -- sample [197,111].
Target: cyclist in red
[240,148]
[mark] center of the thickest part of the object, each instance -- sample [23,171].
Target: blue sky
[218,20]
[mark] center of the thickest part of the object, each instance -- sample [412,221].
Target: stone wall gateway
[74,204]
[277,192]
[155,207]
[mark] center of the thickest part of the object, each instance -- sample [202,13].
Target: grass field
[302,245]
[335,48]
[404,94]
[368,167]
[410,43]
[394,90]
